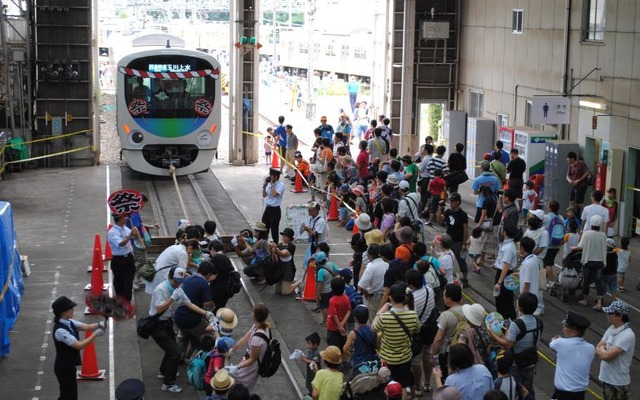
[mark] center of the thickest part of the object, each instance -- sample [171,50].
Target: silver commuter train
[168,107]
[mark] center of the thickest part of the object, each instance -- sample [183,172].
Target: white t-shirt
[529,273]
[591,210]
[572,241]
[616,371]
[541,237]
[528,198]
[319,225]
[508,255]
[446,263]
[623,260]
[475,247]
[172,256]
[373,276]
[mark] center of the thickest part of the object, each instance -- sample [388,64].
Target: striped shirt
[436,163]
[396,346]
[419,298]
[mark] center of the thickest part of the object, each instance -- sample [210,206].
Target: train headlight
[136,137]
[204,138]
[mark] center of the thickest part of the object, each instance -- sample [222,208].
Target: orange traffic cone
[90,369]
[355,227]
[333,207]
[310,282]
[97,284]
[298,188]
[275,158]
[107,247]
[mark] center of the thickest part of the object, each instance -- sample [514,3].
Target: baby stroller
[570,278]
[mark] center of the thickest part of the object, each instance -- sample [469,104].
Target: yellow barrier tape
[51,155]
[53,137]
[541,354]
[275,152]
[632,188]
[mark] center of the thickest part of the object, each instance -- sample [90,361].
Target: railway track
[167,208]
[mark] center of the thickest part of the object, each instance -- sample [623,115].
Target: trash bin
[18,148]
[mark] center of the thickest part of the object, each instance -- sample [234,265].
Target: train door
[429,121]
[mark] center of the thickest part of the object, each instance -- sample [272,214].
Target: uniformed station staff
[66,338]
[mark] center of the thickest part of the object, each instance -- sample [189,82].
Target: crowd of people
[396,310]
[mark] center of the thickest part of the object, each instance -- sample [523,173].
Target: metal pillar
[405,128]
[243,101]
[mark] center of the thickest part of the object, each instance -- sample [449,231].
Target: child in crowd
[312,357]
[610,270]
[216,358]
[268,145]
[327,383]
[571,239]
[344,196]
[338,314]
[505,382]
[388,217]
[624,256]
[528,200]
[611,204]
[436,187]
[351,292]
[362,342]
[571,216]
[475,248]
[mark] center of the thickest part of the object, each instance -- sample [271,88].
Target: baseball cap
[617,307]
[346,273]
[404,185]
[177,274]
[393,390]
[538,214]
[596,220]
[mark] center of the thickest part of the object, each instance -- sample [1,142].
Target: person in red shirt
[338,314]
[436,188]
[363,161]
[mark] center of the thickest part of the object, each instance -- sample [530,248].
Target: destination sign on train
[170,67]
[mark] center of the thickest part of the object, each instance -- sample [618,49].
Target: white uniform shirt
[446,263]
[373,276]
[508,255]
[616,371]
[574,362]
[529,273]
[271,200]
[64,336]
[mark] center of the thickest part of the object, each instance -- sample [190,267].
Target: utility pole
[311,107]
[273,32]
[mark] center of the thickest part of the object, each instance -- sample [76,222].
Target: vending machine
[480,134]
[506,135]
[454,129]
[531,148]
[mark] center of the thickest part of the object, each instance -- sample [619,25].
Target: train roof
[158,40]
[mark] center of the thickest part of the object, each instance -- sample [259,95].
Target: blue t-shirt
[485,179]
[504,157]
[353,87]
[282,135]
[197,290]
[327,132]
[471,381]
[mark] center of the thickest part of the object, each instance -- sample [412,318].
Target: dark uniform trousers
[124,270]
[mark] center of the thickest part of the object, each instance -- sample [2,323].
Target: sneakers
[583,302]
[538,312]
[138,285]
[620,289]
[171,388]
[551,285]
[161,375]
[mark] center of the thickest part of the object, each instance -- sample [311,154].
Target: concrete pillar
[406,126]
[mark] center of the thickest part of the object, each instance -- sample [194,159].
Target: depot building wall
[506,69]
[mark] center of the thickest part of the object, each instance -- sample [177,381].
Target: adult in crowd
[486,222]
[425,177]
[447,324]
[286,251]
[123,264]
[577,174]
[246,372]
[540,236]
[593,244]
[457,223]
[66,338]
[615,351]
[486,178]
[574,359]
[498,167]
[362,161]
[551,219]
[410,172]
[529,267]
[178,255]
[506,263]
[457,164]
[140,246]
[391,322]
[316,228]
[476,335]
[166,298]
[516,169]
[595,208]
[371,284]
[472,380]
[273,191]
[191,323]
[376,146]
[326,130]
[510,214]
[292,147]
[446,258]
[409,201]
[397,267]
[219,286]
[281,135]
[504,156]
[422,301]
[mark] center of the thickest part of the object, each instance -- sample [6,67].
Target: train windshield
[174,95]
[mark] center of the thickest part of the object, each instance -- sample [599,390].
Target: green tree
[435,120]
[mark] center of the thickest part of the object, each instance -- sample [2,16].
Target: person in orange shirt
[303,166]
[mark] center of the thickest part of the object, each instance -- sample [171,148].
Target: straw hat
[374,237]
[222,381]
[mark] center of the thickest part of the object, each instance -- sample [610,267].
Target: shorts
[343,213]
[324,300]
[334,338]
[550,257]
[401,373]
[577,194]
[524,213]
[516,186]
[267,153]
[610,283]
[435,202]
[611,392]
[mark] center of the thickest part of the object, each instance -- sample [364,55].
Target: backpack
[273,271]
[196,371]
[556,232]
[530,356]
[433,277]
[355,297]
[272,357]
[462,325]
[233,284]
